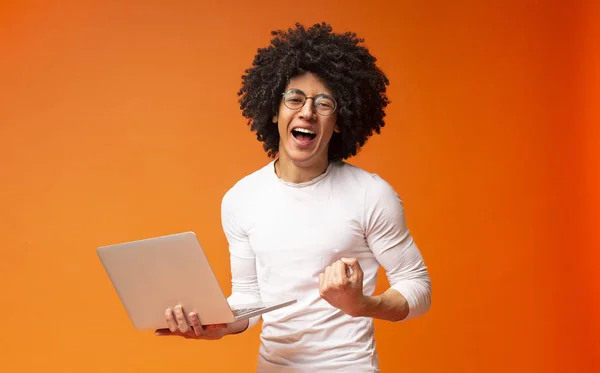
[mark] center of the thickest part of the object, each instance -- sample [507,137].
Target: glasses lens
[325,105]
[294,99]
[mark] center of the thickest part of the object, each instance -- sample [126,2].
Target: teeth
[304,130]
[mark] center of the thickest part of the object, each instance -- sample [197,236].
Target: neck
[291,172]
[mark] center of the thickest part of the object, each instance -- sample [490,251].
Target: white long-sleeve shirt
[282,235]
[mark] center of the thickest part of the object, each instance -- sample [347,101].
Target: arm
[391,306]
[244,284]
[387,234]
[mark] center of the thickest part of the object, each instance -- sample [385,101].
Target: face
[304,133]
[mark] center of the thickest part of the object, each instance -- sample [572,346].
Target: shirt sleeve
[244,283]
[390,241]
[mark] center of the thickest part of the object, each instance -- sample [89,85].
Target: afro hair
[346,68]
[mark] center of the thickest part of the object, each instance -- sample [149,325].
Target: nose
[307,112]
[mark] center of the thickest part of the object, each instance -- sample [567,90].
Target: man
[308,225]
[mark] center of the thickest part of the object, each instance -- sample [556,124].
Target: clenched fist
[341,285]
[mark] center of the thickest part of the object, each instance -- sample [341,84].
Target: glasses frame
[314,100]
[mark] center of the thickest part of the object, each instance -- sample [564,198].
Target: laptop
[154,274]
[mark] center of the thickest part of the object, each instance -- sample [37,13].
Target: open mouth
[303,134]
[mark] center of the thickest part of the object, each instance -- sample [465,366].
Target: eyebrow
[301,91]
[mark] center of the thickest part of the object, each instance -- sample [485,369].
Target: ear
[336,129]
[274,119]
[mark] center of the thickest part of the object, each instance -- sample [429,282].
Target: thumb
[352,262]
[161,332]
[353,266]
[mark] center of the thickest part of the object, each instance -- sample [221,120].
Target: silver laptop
[154,274]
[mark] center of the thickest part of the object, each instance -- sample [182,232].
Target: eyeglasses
[323,104]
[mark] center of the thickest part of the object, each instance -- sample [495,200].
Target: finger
[212,334]
[162,331]
[180,319]
[330,277]
[325,281]
[215,327]
[325,278]
[195,324]
[334,277]
[211,331]
[341,276]
[350,261]
[354,266]
[170,320]
[349,271]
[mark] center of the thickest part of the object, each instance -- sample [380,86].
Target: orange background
[107,113]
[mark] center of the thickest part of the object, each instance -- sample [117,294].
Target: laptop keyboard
[243,311]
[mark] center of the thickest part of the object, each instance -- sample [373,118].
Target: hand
[341,285]
[179,326]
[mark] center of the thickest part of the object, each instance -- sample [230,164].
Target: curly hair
[346,68]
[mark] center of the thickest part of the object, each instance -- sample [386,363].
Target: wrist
[237,327]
